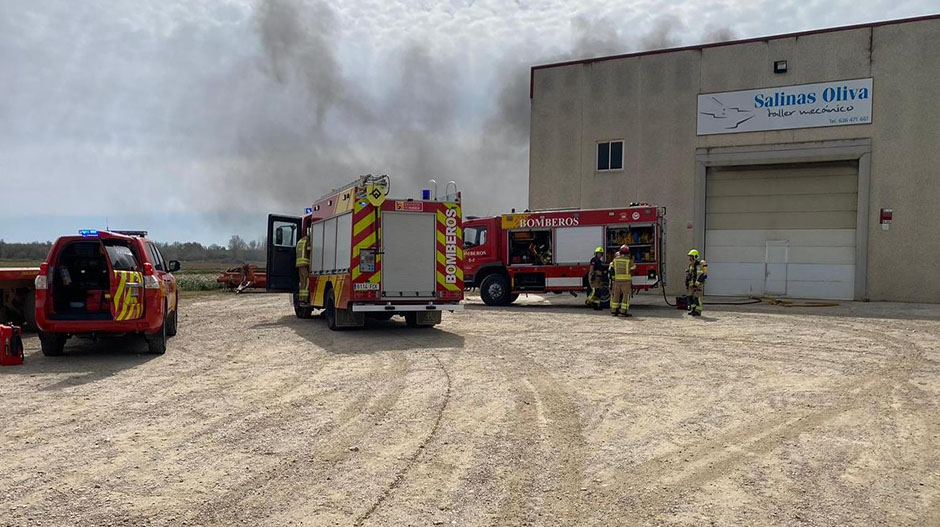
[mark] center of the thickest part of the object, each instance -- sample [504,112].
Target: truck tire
[329,310]
[512,298]
[301,311]
[172,325]
[494,290]
[52,344]
[156,343]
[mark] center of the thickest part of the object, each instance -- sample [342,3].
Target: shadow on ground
[91,360]
[376,336]
[654,306]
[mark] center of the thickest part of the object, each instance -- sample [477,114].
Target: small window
[157,259]
[284,234]
[122,259]
[474,237]
[610,155]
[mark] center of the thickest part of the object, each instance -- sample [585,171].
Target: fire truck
[372,256]
[550,251]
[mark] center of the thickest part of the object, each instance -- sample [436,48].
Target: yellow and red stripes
[449,248]
[364,236]
[318,285]
[128,297]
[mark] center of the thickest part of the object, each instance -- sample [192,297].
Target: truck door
[283,232]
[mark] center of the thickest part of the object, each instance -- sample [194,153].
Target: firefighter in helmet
[596,277]
[695,277]
[303,268]
[621,268]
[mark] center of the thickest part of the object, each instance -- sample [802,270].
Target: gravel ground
[542,414]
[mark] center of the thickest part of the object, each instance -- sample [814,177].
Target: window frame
[158,262]
[481,229]
[609,143]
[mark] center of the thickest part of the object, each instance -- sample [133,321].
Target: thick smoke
[322,127]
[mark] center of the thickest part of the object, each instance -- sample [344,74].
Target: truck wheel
[172,325]
[301,311]
[495,290]
[156,343]
[329,311]
[52,344]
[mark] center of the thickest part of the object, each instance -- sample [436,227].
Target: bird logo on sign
[376,194]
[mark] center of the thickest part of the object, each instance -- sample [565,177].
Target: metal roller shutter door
[782,230]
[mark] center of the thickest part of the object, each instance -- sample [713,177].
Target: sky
[194,119]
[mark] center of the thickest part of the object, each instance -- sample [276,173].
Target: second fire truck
[372,257]
[540,252]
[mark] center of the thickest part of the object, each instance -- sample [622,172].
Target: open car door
[283,232]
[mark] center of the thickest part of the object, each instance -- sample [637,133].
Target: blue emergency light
[88,233]
[308,210]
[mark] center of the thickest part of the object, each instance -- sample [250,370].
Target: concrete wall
[649,101]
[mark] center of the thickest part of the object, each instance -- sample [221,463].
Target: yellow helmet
[695,253]
[598,250]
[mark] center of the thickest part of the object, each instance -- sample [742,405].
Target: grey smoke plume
[321,128]
[664,34]
[720,34]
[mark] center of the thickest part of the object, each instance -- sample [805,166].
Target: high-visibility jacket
[697,272]
[302,258]
[622,267]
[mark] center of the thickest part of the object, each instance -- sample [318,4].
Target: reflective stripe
[622,269]
[302,252]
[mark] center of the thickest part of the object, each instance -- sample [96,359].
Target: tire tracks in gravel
[400,475]
[651,486]
[546,432]
[277,486]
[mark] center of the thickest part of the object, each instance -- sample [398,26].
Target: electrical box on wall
[885,218]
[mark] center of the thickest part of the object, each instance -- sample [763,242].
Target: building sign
[538,221]
[802,106]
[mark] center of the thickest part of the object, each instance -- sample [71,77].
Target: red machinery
[17,295]
[245,276]
[539,252]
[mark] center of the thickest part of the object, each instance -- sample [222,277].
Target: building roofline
[699,47]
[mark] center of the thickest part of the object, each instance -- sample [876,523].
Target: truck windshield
[122,259]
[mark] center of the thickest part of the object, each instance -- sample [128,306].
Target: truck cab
[103,283]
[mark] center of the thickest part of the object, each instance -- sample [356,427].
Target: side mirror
[279,237]
[173,266]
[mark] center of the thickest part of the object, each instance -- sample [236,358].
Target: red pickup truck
[100,283]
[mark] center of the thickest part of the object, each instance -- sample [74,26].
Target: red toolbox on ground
[11,346]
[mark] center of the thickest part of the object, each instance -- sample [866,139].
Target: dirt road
[544,414]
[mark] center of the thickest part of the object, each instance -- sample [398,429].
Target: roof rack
[139,234]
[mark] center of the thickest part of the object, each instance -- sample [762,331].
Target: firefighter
[303,269]
[621,268]
[695,277]
[596,277]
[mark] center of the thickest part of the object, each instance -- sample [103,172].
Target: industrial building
[804,165]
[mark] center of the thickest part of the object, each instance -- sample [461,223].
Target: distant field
[202,267]
[20,263]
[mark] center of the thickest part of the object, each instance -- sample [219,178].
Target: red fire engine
[539,252]
[372,257]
